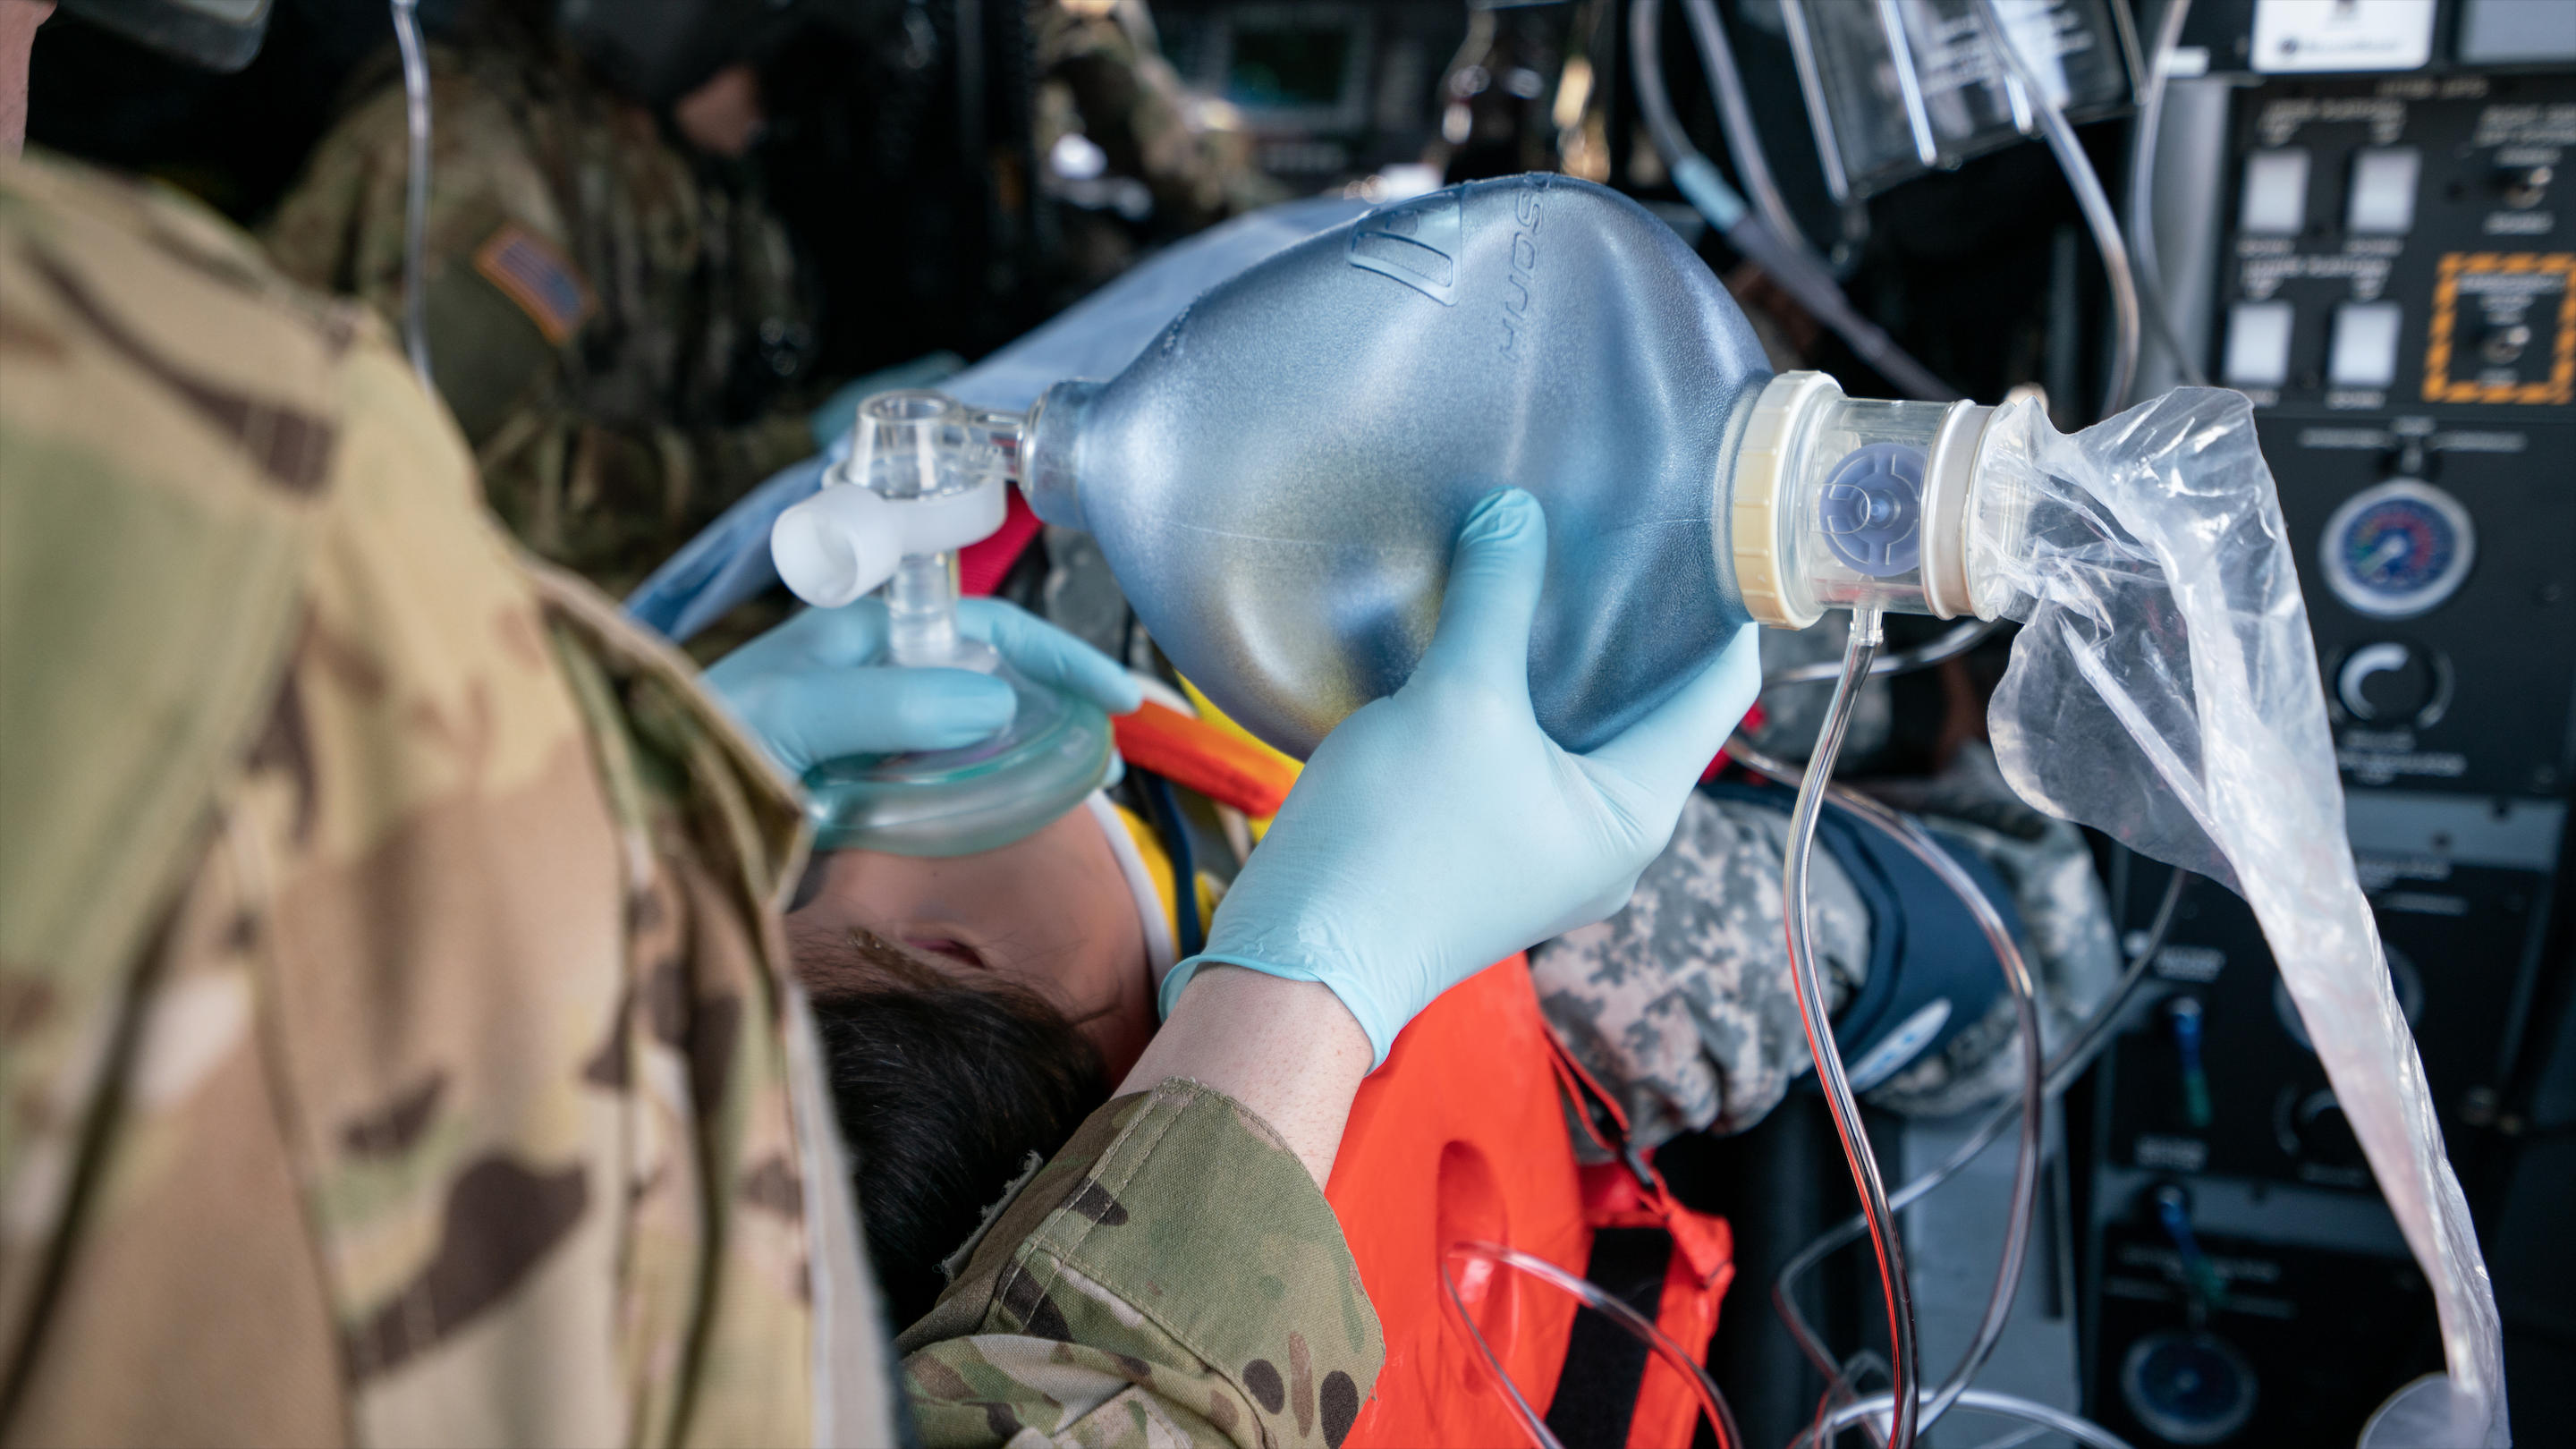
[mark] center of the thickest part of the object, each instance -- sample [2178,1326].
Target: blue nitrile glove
[808,691]
[1439,830]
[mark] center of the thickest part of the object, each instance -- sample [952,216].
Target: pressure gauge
[2398,550]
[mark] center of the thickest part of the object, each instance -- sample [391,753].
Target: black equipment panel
[2397,294]
[2297,1347]
[2456,949]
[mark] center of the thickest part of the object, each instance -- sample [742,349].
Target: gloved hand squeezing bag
[1439,829]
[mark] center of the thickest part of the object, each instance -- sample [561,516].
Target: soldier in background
[615,317]
[1134,156]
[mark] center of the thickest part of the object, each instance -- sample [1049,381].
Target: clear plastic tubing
[1907,1370]
[2069,1063]
[415,75]
[1712,1401]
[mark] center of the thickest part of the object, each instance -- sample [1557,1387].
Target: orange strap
[1198,755]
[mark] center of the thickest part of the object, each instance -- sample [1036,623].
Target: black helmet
[659,50]
[218,34]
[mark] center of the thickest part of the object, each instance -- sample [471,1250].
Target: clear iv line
[1805,975]
[415,74]
[1712,1400]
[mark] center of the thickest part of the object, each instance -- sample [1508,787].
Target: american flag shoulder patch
[534,273]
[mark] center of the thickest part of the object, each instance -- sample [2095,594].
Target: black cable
[1191,937]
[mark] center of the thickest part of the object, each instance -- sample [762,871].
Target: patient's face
[1051,913]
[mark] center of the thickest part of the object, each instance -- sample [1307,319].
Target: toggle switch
[2258,343]
[2183,1015]
[2200,1276]
[2503,346]
[2524,186]
[2275,199]
[2365,345]
[2383,190]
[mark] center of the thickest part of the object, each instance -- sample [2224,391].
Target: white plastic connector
[1947,478]
[837,545]
[1762,508]
[845,541]
[925,476]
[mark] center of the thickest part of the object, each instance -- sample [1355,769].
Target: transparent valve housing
[1856,503]
[942,466]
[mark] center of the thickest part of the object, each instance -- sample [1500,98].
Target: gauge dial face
[2398,550]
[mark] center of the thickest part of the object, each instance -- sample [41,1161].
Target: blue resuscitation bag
[729,561]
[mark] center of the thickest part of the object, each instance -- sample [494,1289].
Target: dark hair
[943,1090]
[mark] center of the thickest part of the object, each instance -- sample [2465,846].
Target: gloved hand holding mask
[812,689]
[1439,829]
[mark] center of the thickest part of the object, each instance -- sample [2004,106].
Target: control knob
[2392,683]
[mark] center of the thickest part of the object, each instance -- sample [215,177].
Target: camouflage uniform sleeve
[1172,1276]
[393,1015]
[1682,1003]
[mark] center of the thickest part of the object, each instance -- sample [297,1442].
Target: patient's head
[1051,913]
[973,1010]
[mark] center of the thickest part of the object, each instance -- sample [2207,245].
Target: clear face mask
[923,477]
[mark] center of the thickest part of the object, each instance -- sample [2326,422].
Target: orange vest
[1461,1135]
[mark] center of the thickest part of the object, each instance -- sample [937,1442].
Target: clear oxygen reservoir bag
[2164,690]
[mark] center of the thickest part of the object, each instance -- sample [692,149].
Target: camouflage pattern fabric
[1681,1005]
[613,326]
[1172,1277]
[393,1017]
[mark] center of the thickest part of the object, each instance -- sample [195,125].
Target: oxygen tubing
[1712,1401]
[1958,641]
[1986,1401]
[2040,1083]
[2069,1063]
[2031,1101]
[415,74]
[1809,982]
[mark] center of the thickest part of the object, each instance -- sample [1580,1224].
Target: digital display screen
[1288,66]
